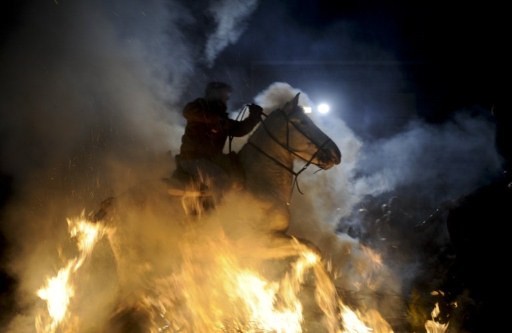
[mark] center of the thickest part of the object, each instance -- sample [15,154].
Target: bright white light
[323,108]
[307,109]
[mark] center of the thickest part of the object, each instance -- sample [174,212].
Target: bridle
[286,146]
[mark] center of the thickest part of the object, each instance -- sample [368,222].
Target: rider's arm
[241,128]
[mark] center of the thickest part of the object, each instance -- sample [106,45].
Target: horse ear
[292,104]
[295,101]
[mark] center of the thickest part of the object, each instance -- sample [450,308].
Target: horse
[285,135]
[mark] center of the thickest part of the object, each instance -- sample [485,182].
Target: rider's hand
[255,108]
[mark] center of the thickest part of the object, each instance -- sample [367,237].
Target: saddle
[199,195]
[195,195]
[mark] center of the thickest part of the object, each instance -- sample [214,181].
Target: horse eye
[299,121]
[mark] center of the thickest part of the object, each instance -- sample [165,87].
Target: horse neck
[265,176]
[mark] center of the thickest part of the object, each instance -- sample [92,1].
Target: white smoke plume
[230,20]
[453,157]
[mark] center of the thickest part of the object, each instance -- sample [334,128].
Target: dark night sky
[450,55]
[388,60]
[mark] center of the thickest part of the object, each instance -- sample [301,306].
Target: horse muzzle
[328,156]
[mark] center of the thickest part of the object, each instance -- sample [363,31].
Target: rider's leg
[232,167]
[207,173]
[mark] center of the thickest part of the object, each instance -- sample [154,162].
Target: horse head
[299,135]
[287,134]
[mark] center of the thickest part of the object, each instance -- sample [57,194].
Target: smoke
[433,163]
[443,161]
[83,118]
[78,86]
[89,109]
[278,94]
[386,189]
[102,71]
[230,17]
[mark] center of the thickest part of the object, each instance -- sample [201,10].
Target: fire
[215,291]
[235,297]
[59,290]
[219,286]
[219,292]
[358,322]
[260,301]
[57,294]
[276,307]
[351,321]
[433,326]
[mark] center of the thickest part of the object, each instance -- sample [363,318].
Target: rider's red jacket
[208,127]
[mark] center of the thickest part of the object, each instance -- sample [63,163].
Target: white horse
[284,136]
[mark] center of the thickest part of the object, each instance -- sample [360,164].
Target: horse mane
[278,95]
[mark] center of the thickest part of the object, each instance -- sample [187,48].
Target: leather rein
[287,147]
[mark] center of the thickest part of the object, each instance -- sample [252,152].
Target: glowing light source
[307,109]
[323,108]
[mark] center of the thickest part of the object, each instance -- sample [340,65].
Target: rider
[208,126]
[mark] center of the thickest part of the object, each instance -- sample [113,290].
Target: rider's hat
[215,86]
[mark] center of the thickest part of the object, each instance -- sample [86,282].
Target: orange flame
[216,290]
[59,290]
[433,326]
